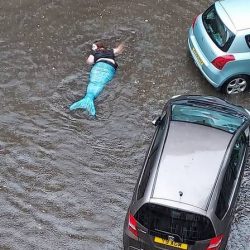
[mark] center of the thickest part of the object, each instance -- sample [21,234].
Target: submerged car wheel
[236,84]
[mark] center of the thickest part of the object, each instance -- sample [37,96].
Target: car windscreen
[216,29]
[207,116]
[163,221]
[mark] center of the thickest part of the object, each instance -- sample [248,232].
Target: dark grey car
[187,190]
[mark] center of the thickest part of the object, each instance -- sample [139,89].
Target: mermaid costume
[100,75]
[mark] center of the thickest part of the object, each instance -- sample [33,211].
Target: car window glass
[216,29]
[248,40]
[159,133]
[206,116]
[146,175]
[160,220]
[151,158]
[221,207]
[230,176]
[247,132]
[225,193]
[237,154]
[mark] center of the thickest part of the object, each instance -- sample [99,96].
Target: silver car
[187,190]
[219,42]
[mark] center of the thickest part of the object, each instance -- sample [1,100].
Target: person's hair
[100,45]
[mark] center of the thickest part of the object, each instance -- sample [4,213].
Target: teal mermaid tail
[85,103]
[100,74]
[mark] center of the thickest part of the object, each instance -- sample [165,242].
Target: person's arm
[119,49]
[90,59]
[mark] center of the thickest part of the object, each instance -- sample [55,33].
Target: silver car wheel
[236,86]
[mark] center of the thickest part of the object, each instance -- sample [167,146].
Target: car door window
[230,176]
[225,193]
[248,40]
[146,175]
[159,133]
[151,158]
[237,154]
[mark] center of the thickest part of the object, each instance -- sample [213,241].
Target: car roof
[190,163]
[238,12]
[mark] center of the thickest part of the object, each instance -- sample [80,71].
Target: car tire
[236,85]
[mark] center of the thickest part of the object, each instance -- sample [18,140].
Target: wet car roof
[238,11]
[190,163]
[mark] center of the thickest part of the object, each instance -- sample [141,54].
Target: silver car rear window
[216,29]
[205,116]
[163,221]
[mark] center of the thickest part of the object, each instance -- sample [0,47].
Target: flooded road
[67,179]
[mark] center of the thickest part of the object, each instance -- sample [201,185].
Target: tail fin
[85,103]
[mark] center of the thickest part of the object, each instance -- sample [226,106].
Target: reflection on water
[66,179]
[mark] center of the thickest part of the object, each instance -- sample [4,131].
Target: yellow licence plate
[170,243]
[197,56]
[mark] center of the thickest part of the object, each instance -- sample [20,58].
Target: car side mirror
[156,121]
[247,133]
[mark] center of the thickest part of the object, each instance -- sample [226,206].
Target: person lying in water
[101,73]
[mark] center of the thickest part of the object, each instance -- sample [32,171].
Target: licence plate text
[170,243]
[197,56]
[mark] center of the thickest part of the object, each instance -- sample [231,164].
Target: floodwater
[66,178]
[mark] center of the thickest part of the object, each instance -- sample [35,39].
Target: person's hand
[119,49]
[90,60]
